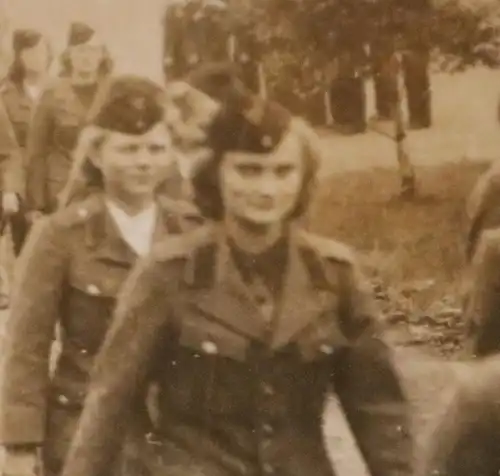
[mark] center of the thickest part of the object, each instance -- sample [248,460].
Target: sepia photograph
[249,237]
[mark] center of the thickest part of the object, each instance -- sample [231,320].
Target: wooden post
[406,170]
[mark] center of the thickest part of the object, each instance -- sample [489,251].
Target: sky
[131,28]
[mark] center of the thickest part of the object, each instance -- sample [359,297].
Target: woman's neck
[131,207]
[251,238]
[33,78]
[83,79]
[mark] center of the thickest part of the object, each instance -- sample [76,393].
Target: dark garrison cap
[132,105]
[25,38]
[79,33]
[246,122]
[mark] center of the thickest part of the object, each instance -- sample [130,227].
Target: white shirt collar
[136,230]
[33,91]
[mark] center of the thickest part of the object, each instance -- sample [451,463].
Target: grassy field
[401,241]
[405,244]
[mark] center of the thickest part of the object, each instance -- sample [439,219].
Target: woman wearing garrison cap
[18,95]
[245,324]
[61,113]
[72,269]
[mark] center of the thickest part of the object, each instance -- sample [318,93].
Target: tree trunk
[406,169]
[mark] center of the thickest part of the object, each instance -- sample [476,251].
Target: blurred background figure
[19,93]
[61,113]
[199,32]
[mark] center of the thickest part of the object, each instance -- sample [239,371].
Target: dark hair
[17,70]
[206,184]
[104,69]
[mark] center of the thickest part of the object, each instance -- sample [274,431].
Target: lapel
[302,300]
[105,237]
[228,299]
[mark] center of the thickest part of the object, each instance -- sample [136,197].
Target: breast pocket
[203,336]
[93,290]
[211,372]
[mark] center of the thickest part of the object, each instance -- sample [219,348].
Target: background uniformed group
[170,314]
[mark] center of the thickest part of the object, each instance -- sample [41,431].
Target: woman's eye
[129,149]
[157,149]
[249,170]
[284,170]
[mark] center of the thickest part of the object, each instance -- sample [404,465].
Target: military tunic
[243,380]
[17,108]
[465,441]
[58,119]
[482,309]
[70,274]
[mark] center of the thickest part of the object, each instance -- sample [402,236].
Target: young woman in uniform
[246,324]
[72,269]
[19,92]
[60,115]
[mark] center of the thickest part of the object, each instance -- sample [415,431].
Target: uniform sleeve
[10,155]
[29,335]
[483,211]
[38,148]
[121,370]
[465,439]
[482,309]
[368,384]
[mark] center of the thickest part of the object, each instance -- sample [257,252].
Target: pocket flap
[207,337]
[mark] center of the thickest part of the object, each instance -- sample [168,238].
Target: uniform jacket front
[241,394]
[15,116]
[483,208]
[465,441]
[69,274]
[57,121]
[482,309]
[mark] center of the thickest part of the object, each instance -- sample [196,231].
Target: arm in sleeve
[29,335]
[368,384]
[39,142]
[121,370]
[10,155]
[482,210]
[465,439]
[482,308]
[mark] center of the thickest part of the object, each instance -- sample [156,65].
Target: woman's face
[263,189]
[133,166]
[86,58]
[36,58]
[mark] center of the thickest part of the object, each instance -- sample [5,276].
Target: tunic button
[209,347]
[267,389]
[84,351]
[268,469]
[267,429]
[267,141]
[326,349]
[168,61]
[63,400]
[82,212]
[93,289]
